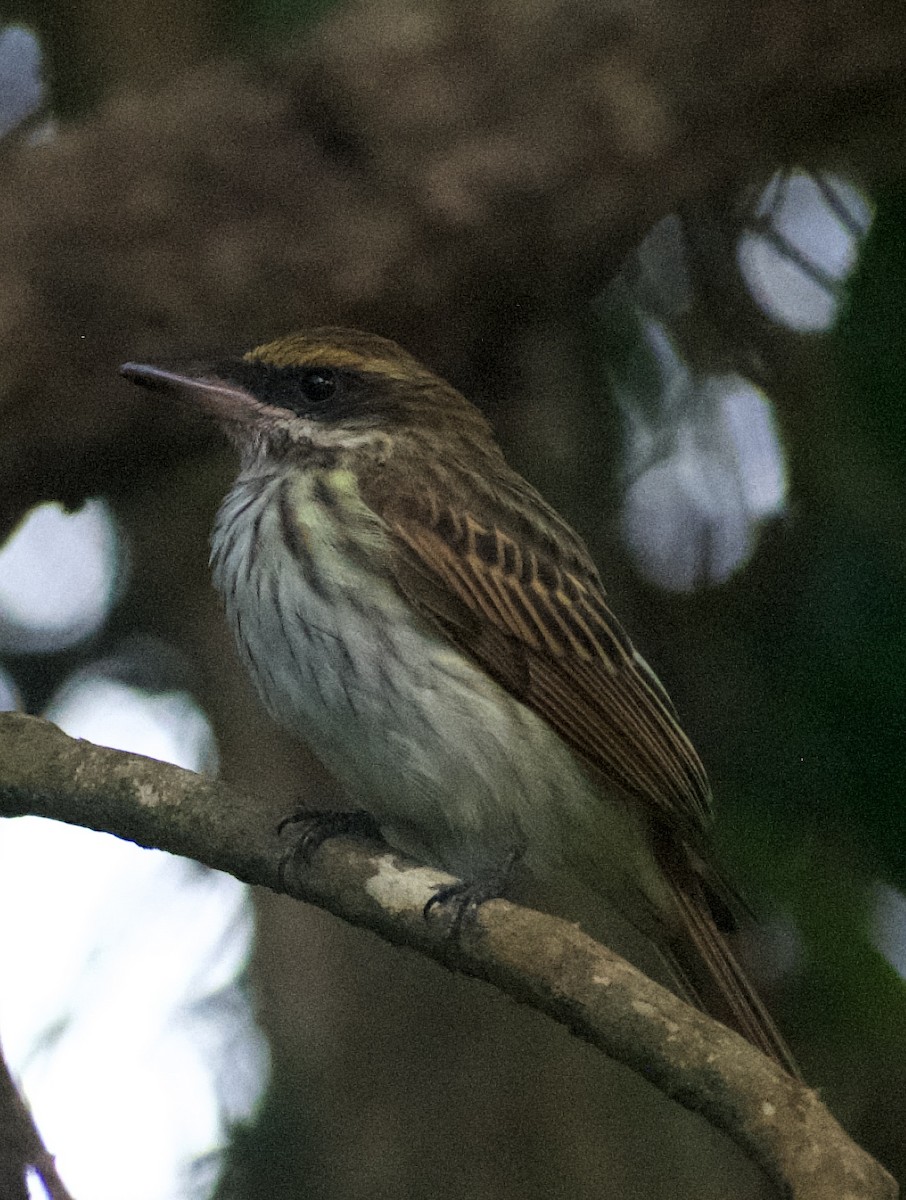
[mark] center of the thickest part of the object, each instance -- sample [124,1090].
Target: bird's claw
[463,900]
[312,827]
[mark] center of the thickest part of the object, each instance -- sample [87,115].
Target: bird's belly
[455,769]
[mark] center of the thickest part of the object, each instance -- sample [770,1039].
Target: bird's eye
[318,385]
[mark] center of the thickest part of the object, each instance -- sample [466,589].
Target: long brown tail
[717,982]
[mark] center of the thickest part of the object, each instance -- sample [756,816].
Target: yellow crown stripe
[300,351]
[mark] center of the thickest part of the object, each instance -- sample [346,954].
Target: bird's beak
[225,401]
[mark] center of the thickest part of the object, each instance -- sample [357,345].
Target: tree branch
[538,960]
[21,1147]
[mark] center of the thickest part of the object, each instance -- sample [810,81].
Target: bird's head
[329,388]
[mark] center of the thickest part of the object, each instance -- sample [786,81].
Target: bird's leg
[463,899]
[312,826]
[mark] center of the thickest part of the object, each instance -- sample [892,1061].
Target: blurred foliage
[266,17]
[872,345]
[817,780]
[860,606]
[91,45]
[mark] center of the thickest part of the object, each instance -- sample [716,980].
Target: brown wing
[517,591]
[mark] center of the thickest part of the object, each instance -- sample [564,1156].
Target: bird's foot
[313,826]
[463,899]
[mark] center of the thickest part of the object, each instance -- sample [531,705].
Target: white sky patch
[805,243]
[706,468]
[9,693]
[121,1005]
[35,1188]
[704,463]
[21,81]
[890,927]
[58,576]
[166,725]
[748,418]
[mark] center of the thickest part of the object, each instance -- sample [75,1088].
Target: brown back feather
[529,606]
[517,591]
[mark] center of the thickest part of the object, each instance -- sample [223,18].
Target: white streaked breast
[456,770]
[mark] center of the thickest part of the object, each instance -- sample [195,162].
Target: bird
[438,635]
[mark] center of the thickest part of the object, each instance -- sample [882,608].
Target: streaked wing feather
[514,589]
[543,628]
[519,594]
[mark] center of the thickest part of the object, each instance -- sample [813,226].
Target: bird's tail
[716,981]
